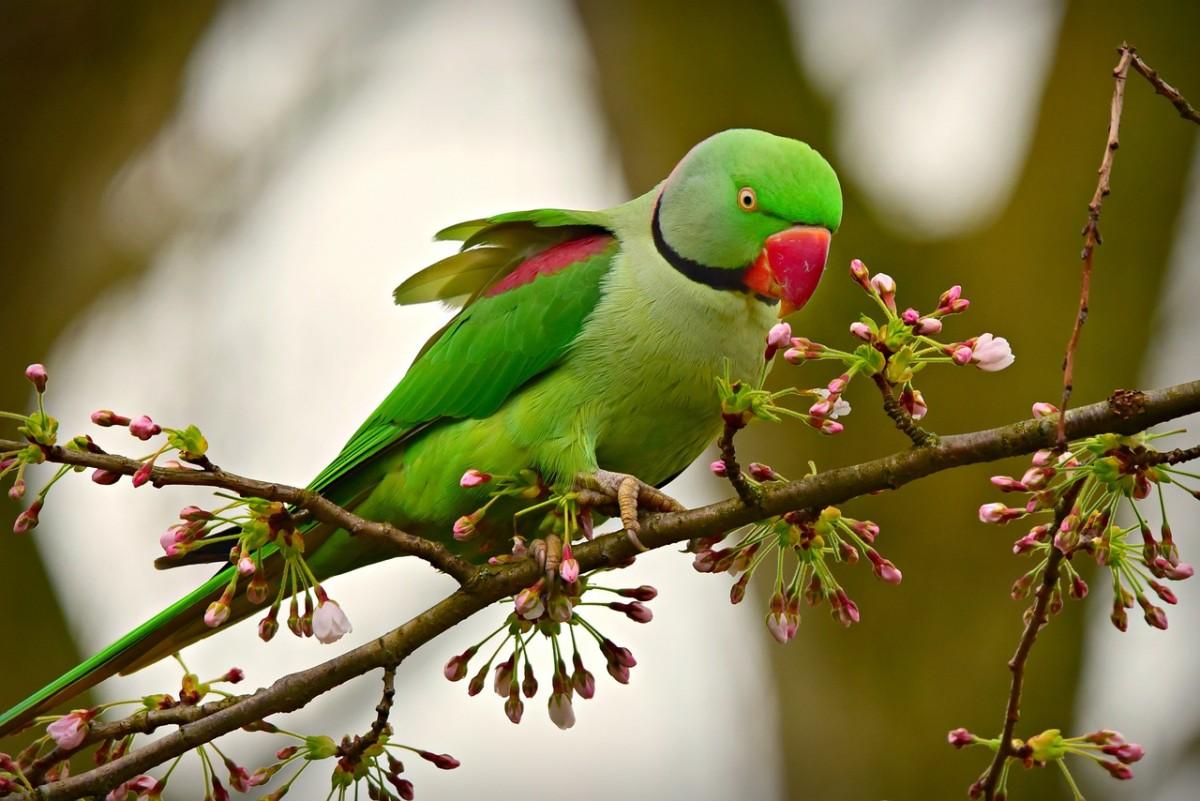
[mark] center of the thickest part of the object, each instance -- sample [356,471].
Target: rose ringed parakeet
[588,343]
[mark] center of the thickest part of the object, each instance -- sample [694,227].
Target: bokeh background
[206,205]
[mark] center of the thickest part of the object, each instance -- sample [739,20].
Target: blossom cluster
[263,538]
[1099,477]
[1107,748]
[893,351]
[815,540]
[551,608]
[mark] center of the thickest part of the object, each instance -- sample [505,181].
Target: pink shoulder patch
[550,261]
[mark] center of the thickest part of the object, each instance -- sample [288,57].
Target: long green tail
[111,660]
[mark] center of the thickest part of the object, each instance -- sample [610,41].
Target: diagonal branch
[486,585]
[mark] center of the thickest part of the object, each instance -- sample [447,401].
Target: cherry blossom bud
[17,491]
[36,373]
[885,286]
[568,568]
[1118,617]
[1043,409]
[514,707]
[464,527]
[1178,572]
[635,611]
[561,711]
[1020,588]
[883,568]
[949,296]
[831,427]
[1163,592]
[217,612]
[1117,770]
[777,624]
[860,273]
[69,730]
[642,593]
[144,428]
[28,520]
[245,565]
[717,467]
[821,408]
[928,326]
[999,513]
[778,337]
[1007,484]
[329,622]
[528,602]
[582,680]
[502,684]
[474,478]
[992,354]
[1153,615]
[762,472]
[1042,458]
[1127,753]
[142,474]
[529,682]
[962,355]
[106,418]
[861,330]
[441,761]
[737,592]
[960,738]
[843,609]
[865,529]
[913,402]
[105,477]
[269,625]
[910,316]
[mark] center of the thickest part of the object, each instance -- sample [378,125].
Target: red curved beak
[790,266]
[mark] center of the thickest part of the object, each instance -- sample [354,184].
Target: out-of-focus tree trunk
[83,85]
[865,711]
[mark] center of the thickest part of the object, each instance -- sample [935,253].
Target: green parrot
[588,344]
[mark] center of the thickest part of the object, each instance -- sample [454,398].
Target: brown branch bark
[733,470]
[488,584]
[903,420]
[1091,229]
[1039,618]
[318,506]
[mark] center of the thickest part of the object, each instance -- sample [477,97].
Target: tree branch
[315,504]
[1125,412]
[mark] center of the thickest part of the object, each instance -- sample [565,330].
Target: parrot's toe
[630,494]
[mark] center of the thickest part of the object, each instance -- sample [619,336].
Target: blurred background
[205,209]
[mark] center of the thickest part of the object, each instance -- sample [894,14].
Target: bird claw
[631,494]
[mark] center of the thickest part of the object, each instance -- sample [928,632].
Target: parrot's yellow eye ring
[747,199]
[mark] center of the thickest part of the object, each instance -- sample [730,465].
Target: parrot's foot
[630,494]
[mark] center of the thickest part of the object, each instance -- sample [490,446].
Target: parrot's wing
[530,280]
[542,278]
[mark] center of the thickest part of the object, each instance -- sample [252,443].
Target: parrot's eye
[747,199]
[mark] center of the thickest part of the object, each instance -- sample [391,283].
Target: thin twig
[1038,619]
[354,751]
[317,505]
[733,471]
[489,584]
[1091,230]
[903,420]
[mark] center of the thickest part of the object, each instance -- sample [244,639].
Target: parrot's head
[749,210]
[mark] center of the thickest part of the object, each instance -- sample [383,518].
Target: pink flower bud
[246,566]
[464,526]
[456,666]
[36,373]
[1007,484]
[960,738]
[17,491]
[1178,572]
[861,330]
[992,354]
[928,326]
[962,355]
[441,761]
[268,626]
[910,316]
[949,296]
[998,513]
[779,336]
[717,467]
[528,602]
[582,680]
[69,731]
[194,513]
[1043,409]
[234,675]
[762,472]
[642,593]
[885,286]
[329,622]
[561,711]
[821,408]
[777,624]
[831,427]
[883,568]
[1117,770]
[105,477]
[144,428]
[838,385]
[142,474]
[106,417]
[216,614]
[860,274]
[1127,753]
[635,611]
[913,402]
[474,478]
[514,708]
[569,567]
[28,519]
